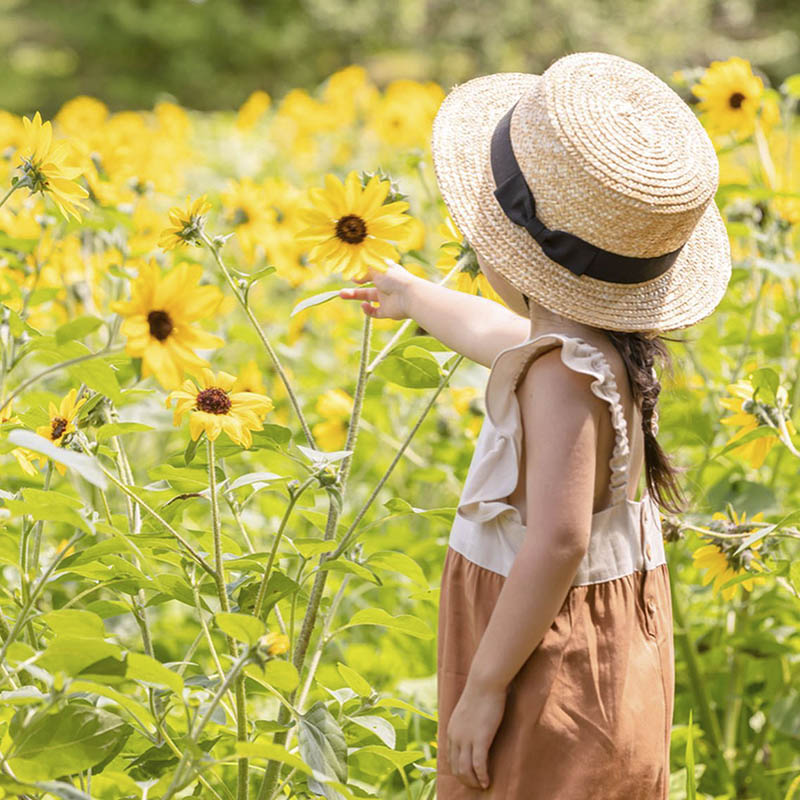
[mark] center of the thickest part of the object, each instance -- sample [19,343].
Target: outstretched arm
[476,327]
[560,418]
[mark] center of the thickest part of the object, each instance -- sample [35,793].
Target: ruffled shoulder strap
[502,406]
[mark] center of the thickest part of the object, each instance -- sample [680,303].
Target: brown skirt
[589,713]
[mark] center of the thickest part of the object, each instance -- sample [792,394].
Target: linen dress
[589,713]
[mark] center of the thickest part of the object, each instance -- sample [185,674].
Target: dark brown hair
[640,354]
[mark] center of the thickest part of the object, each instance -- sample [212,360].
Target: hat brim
[686,293]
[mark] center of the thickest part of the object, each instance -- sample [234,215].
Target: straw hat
[589,188]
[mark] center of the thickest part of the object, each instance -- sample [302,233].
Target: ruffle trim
[496,473]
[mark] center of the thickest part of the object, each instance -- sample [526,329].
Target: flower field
[225,492]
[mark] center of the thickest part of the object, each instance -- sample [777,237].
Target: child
[588,196]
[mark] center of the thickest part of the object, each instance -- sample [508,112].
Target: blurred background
[211,54]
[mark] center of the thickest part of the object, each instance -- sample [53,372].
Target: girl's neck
[545,321]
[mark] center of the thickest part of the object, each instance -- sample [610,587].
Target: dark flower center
[736,100]
[160,325]
[351,229]
[57,427]
[240,217]
[213,401]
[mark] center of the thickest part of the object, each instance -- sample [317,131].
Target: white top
[625,536]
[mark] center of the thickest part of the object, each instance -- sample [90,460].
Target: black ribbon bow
[576,254]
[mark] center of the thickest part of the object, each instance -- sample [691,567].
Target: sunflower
[186,225]
[249,379]
[44,170]
[756,450]
[336,407]
[215,408]
[276,643]
[350,227]
[158,320]
[722,565]
[730,96]
[62,423]
[469,278]
[252,110]
[23,456]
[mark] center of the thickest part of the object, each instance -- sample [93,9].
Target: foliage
[194,611]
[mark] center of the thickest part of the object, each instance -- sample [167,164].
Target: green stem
[232,676]
[242,792]
[696,680]
[17,185]
[262,336]
[349,534]
[734,694]
[153,513]
[262,589]
[309,618]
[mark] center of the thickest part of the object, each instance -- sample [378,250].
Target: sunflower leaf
[315,300]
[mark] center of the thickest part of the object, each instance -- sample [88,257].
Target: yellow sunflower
[754,451]
[730,96]
[44,169]
[276,643]
[351,228]
[252,110]
[215,408]
[249,379]
[187,225]
[469,278]
[23,456]
[159,316]
[721,565]
[336,407]
[62,423]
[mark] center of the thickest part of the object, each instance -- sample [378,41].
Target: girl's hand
[470,732]
[391,290]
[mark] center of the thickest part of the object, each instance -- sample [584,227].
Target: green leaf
[766,381]
[17,325]
[74,738]
[184,479]
[74,622]
[405,623]
[255,478]
[74,654]
[77,328]
[281,674]
[323,747]
[98,375]
[86,466]
[241,627]
[413,372]
[119,428]
[395,702]
[352,678]
[400,758]
[314,300]
[381,727]
[345,565]
[56,512]
[144,668]
[398,562]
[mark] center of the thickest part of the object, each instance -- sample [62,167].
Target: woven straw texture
[611,154]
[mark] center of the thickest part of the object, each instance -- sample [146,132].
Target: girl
[587,194]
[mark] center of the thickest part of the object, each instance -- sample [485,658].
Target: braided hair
[639,352]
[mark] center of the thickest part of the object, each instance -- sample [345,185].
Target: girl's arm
[476,327]
[561,419]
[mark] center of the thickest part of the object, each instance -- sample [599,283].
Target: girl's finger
[479,765]
[465,766]
[370,293]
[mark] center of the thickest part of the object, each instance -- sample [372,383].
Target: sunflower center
[213,401]
[57,428]
[351,229]
[240,217]
[160,325]
[736,100]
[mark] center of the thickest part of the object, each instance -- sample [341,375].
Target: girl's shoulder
[582,358]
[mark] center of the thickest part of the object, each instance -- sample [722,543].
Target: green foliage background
[210,54]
